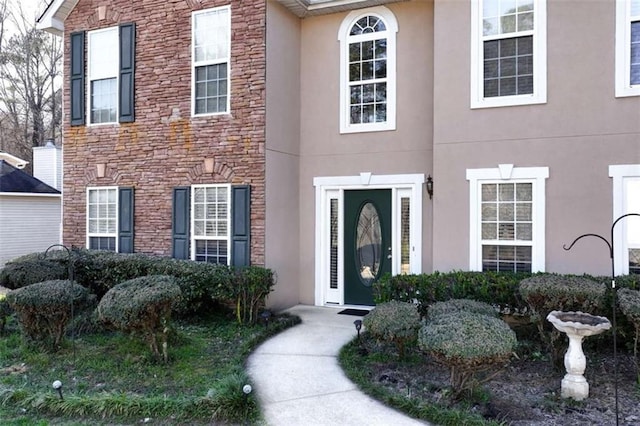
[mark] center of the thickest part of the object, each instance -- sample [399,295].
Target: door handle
[389,255]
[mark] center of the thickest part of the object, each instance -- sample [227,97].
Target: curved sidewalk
[298,380]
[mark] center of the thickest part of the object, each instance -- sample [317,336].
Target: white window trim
[89,80]
[333,187]
[539,95]
[623,51]
[192,235]
[620,247]
[507,173]
[89,235]
[204,63]
[343,37]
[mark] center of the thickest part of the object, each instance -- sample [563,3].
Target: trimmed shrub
[394,322]
[551,292]
[25,271]
[203,285]
[251,286]
[629,302]
[496,288]
[457,305]
[5,312]
[142,305]
[44,309]
[467,343]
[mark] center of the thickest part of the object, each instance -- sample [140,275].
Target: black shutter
[77,79]
[240,225]
[125,220]
[180,223]
[127,71]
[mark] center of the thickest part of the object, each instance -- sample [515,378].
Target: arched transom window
[368,71]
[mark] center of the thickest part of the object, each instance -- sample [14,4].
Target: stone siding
[165,147]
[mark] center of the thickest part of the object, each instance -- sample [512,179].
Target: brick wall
[165,147]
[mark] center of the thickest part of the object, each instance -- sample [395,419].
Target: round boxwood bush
[550,292]
[44,309]
[30,270]
[396,322]
[142,305]
[467,343]
[457,305]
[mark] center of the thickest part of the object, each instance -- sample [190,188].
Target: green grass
[112,377]
[363,368]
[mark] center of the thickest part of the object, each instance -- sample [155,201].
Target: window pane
[103,54]
[524,212]
[211,35]
[635,52]
[508,67]
[506,212]
[489,192]
[525,232]
[405,235]
[506,231]
[506,191]
[104,98]
[524,191]
[634,261]
[212,251]
[489,231]
[489,211]
[211,89]
[333,248]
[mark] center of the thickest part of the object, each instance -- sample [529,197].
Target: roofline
[303,8]
[31,194]
[53,17]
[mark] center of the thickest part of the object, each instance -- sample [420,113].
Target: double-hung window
[211,223]
[211,208]
[508,52]
[507,218]
[367,71]
[110,219]
[103,76]
[627,48]
[211,41]
[102,86]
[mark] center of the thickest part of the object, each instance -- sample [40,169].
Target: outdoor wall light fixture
[100,169]
[208,165]
[57,385]
[430,186]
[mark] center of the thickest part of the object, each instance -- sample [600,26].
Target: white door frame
[332,188]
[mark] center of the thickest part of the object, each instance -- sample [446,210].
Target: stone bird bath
[577,326]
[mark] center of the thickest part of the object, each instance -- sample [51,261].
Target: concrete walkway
[298,380]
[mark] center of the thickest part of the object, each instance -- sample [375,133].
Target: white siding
[47,165]
[28,223]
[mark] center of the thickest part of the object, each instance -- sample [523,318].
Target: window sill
[506,101]
[367,128]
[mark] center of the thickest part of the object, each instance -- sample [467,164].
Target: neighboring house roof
[13,179]
[304,8]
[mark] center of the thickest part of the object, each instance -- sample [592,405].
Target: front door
[367,242]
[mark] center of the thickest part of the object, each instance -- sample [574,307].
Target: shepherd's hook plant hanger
[610,245]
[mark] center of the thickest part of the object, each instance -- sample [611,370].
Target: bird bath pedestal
[577,326]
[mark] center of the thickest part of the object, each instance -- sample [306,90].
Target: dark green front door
[367,242]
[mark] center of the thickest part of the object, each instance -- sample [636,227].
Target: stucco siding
[577,133]
[326,152]
[282,238]
[28,224]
